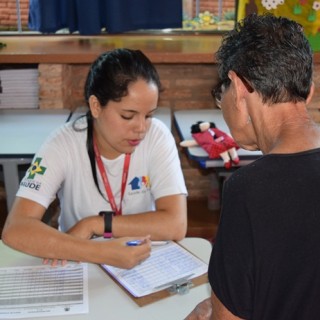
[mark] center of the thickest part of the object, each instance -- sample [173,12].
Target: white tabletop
[108,301]
[22,131]
[184,119]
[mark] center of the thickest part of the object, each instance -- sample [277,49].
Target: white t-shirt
[62,167]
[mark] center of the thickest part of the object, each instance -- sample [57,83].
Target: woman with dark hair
[116,172]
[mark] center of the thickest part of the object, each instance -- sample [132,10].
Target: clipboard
[180,285]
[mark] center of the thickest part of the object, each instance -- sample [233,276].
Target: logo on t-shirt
[35,168]
[139,183]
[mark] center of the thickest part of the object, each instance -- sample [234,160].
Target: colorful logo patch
[137,183]
[35,168]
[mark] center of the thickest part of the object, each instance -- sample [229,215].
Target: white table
[108,301]
[184,119]
[22,131]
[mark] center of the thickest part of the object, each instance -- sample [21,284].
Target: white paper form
[167,265]
[38,291]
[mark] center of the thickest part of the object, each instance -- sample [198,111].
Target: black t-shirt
[265,262]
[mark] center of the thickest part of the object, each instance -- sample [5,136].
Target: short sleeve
[46,173]
[164,165]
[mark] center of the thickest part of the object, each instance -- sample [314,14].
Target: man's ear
[95,106]
[310,95]
[235,86]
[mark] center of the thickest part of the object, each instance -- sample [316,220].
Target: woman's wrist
[107,218]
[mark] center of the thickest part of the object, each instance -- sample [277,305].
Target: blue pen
[133,243]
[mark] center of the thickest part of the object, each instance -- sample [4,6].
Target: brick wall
[186,86]
[213,5]
[8,13]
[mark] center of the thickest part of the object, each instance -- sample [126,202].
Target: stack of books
[19,88]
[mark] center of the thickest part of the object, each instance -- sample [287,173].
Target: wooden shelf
[81,49]
[75,49]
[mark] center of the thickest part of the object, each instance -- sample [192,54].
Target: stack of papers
[19,88]
[38,291]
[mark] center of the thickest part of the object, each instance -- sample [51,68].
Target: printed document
[39,291]
[168,264]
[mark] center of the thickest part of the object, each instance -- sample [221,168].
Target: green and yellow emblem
[35,168]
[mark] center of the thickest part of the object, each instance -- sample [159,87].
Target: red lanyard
[106,181]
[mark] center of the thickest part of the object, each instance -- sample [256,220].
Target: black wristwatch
[108,215]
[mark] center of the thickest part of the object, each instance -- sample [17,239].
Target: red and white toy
[216,142]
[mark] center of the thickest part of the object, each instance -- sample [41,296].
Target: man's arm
[211,309]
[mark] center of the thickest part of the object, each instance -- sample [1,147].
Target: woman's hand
[120,255]
[54,262]
[87,227]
